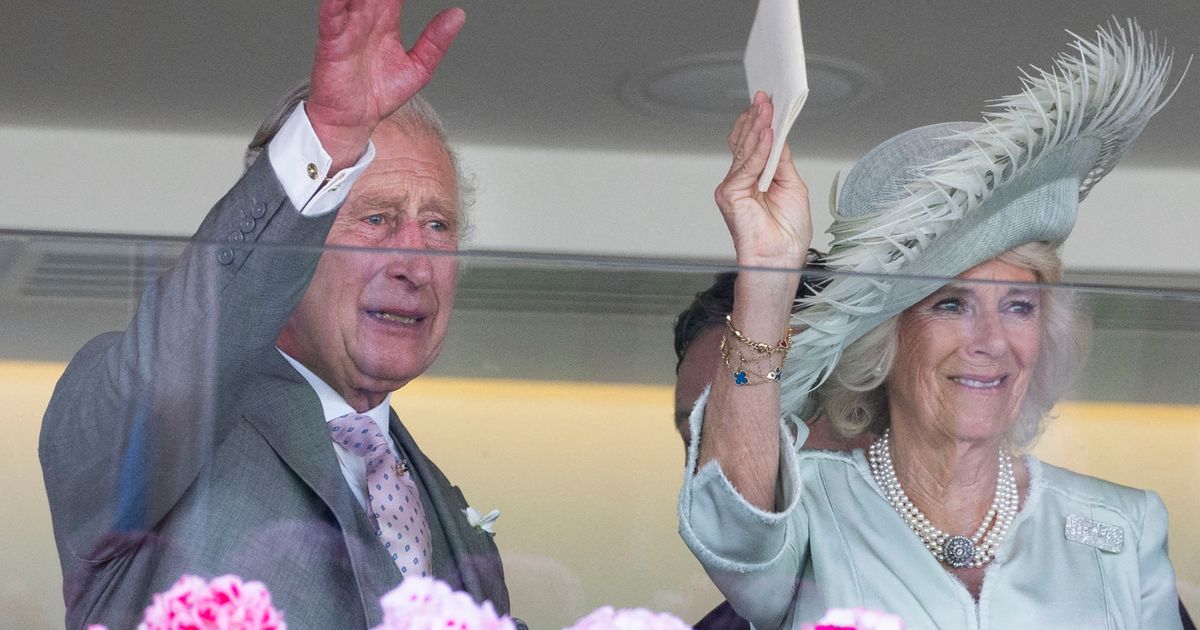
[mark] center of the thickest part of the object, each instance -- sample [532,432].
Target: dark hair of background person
[711,305]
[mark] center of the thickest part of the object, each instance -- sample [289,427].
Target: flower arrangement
[228,603]
[429,604]
[607,618]
[856,619]
[225,603]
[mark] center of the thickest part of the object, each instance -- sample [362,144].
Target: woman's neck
[951,481]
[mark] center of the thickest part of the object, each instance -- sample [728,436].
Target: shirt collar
[332,403]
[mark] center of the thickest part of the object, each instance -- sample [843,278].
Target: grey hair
[416,115]
[854,397]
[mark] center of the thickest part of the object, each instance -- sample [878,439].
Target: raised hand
[362,71]
[771,229]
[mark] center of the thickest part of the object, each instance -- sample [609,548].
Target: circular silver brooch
[958,551]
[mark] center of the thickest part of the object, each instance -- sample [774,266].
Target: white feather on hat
[936,201]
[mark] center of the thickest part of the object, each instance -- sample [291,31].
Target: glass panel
[553,400]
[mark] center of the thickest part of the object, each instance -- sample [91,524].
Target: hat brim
[933,202]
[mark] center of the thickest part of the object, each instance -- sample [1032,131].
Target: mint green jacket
[838,543]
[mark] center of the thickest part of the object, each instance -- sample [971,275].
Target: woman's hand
[772,228]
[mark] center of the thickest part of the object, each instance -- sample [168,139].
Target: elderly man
[241,424]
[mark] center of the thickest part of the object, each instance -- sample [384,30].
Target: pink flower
[607,618]
[856,619]
[429,604]
[225,603]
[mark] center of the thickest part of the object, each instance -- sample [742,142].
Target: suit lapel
[288,415]
[463,556]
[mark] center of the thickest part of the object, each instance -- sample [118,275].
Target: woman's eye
[949,305]
[1022,307]
[438,226]
[375,219]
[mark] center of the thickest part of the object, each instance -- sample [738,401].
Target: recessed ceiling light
[712,87]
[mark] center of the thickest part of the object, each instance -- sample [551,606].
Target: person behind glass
[940,520]
[698,332]
[241,424]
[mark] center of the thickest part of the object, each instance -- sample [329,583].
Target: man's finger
[436,38]
[331,17]
[331,7]
[389,14]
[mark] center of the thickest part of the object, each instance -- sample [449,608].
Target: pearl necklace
[954,550]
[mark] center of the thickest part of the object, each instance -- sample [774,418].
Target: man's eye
[375,219]
[439,226]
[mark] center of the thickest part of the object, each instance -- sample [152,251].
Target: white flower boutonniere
[484,523]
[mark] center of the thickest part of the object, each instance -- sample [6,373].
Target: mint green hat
[935,201]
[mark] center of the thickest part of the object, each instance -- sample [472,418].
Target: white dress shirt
[302,166]
[354,468]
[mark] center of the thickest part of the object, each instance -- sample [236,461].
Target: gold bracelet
[762,348]
[742,372]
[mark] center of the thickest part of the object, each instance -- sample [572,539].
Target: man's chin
[385,376]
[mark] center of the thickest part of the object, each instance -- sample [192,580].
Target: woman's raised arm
[771,231]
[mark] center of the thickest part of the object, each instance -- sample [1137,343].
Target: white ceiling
[548,72]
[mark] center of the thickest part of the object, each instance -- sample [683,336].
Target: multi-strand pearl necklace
[954,550]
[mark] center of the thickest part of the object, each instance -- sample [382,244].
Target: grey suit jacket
[187,444]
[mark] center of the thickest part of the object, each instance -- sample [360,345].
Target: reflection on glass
[552,399]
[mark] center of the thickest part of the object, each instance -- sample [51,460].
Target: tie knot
[358,434]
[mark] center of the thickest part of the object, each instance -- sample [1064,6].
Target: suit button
[258,211]
[236,237]
[246,225]
[225,256]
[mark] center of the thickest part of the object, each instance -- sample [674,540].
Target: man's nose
[406,261]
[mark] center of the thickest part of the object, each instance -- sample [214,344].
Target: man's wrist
[345,145]
[306,170]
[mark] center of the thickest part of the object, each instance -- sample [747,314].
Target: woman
[941,520]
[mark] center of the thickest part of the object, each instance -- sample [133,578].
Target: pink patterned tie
[395,507]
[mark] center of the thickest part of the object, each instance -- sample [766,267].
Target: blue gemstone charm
[739,378]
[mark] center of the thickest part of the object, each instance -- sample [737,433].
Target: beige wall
[586,476]
[653,204]
[31,581]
